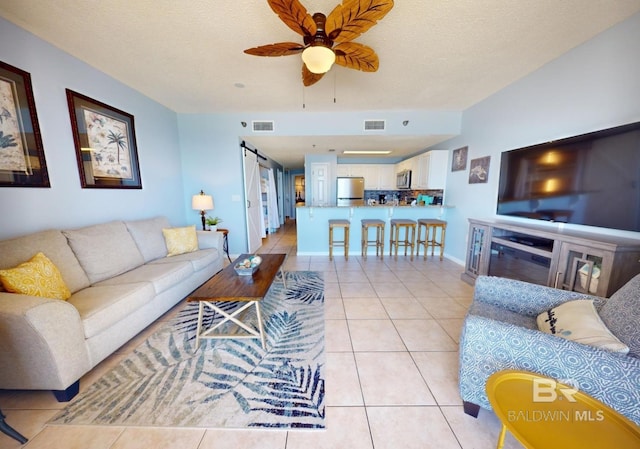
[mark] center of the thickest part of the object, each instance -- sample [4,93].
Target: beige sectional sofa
[121,281]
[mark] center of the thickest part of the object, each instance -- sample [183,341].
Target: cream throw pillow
[37,277]
[180,240]
[579,321]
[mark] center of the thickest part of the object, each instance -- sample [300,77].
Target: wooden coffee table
[229,286]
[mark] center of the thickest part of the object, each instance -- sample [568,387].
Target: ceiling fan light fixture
[318,58]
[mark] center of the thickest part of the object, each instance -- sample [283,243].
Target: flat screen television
[591,179]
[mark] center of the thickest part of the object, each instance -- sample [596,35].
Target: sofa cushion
[621,314]
[162,276]
[180,240]
[100,307]
[54,245]
[578,321]
[104,250]
[198,259]
[148,236]
[37,277]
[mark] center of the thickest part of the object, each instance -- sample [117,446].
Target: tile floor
[392,331]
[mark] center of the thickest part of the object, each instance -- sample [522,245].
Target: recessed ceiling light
[366,152]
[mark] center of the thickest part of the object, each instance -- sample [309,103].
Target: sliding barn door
[253,201]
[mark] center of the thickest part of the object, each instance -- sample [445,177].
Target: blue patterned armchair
[500,332]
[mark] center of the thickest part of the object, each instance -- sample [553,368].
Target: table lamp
[202,203]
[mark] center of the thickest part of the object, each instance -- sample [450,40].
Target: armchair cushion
[578,321]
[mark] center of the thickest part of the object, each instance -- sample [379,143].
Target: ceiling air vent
[264,126]
[374,125]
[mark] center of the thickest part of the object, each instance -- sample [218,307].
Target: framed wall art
[22,162]
[459,160]
[479,170]
[105,143]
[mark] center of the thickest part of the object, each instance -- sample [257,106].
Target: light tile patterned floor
[392,330]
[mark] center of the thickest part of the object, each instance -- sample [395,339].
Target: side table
[225,242]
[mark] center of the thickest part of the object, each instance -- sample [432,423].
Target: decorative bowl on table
[247,266]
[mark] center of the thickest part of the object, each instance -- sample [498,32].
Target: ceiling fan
[327,40]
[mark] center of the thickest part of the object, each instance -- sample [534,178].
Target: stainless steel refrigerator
[350,192]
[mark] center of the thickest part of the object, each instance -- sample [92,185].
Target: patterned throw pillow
[180,240]
[579,321]
[37,277]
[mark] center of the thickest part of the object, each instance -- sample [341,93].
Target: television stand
[566,259]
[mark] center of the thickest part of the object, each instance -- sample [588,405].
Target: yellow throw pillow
[180,240]
[37,277]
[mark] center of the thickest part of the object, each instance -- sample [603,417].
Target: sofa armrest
[209,239]
[42,343]
[523,297]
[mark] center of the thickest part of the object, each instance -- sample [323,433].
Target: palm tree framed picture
[105,142]
[22,161]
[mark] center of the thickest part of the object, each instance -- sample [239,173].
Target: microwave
[403,179]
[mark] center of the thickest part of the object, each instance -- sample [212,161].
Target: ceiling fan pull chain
[334,86]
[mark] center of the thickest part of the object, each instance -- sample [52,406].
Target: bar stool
[344,224]
[378,242]
[431,226]
[394,236]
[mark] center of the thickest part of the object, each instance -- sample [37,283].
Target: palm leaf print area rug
[226,383]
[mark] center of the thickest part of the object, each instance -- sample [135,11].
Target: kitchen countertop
[313,231]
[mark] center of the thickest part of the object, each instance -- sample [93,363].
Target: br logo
[546,390]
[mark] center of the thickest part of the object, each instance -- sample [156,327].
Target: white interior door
[320,184]
[253,200]
[280,189]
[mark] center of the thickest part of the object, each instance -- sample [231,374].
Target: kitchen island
[312,223]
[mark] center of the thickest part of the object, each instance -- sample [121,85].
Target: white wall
[66,204]
[592,87]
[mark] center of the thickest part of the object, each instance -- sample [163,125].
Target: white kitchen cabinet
[376,176]
[343,170]
[437,169]
[429,170]
[386,177]
[403,165]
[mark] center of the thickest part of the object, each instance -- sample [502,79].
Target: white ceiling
[434,55]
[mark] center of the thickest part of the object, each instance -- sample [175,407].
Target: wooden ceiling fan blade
[350,19]
[356,56]
[294,15]
[279,49]
[309,78]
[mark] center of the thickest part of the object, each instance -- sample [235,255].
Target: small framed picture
[105,142]
[479,170]
[459,160]
[22,162]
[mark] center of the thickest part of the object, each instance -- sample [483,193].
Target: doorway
[298,188]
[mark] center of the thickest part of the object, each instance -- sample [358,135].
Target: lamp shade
[202,202]
[318,58]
